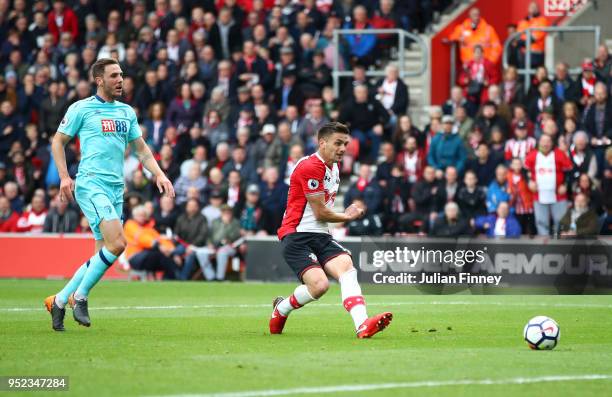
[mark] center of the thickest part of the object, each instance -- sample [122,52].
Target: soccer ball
[542,333]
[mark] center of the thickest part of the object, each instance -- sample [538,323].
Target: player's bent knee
[117,246]
[318,287]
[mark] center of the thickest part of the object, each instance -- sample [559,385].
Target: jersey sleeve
[134,132]
[310,177]
[72,121]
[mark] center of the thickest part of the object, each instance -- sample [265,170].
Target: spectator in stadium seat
[456,100]
[361,46]
[215,198]
[463,123]
[11,191]
[359,78]
[368,225]
[151,91]
[385,17]
[11,125]
[545,101]
[521,144]
[286,63]
[411,160]
[69,23]
[61,218]
[273,196]
[278,151]
[310,124]
[229,35]
[393,94]
[140,186]
[192,231]
[317,76]
[226,79]
[235,191]
[489,119]
[449,186]
[167,163]
[165,214]
[220,102]
[538,38]
[146,249]
[366,118]
[366,188]
[598,122]
[470,197]
[8,217]
[584,184]
[498,190]
[586,83]
[250,214]
[261,146]
[52,109]
[603,63]
[239,162]
[451,224]
[288,94]
[513,91]
[446,149]
[424,203]
[156,124]
[27,176]
[403,131]
[500,224]
[223,232]
[395,199]
[182,112]
[580,220]
[475,31]
[477,75]
[564,87]
[494,95]
[33,219]
[384,167]
[521,198]
[183,183]
[251,68]
[582,158]
[547,166]
[200,157]
[541,74]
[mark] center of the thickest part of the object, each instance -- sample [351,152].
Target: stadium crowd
[230,94]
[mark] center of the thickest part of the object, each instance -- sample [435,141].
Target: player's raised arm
[148,161]
[325,214]
[59,156]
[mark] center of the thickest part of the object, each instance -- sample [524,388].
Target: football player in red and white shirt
[308,248]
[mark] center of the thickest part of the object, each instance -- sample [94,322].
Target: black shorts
[303,251]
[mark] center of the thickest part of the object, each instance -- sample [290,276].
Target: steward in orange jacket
[476,31]
[534,20]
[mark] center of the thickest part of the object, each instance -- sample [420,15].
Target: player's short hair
[97,69]
[329,128]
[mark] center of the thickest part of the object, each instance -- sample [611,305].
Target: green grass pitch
[168,339]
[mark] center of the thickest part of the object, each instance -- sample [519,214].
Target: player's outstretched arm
[324,214]
[148,161]
[59,156]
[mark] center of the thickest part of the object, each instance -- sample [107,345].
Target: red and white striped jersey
[311,176]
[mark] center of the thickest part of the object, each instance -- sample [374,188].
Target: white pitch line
[262,305]
[398,385]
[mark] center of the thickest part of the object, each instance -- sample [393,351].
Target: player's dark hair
[329,128]
[97,69]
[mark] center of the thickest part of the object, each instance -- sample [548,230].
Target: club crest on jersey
[313,184]
[312,257]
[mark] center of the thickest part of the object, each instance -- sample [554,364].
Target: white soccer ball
[542,333]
